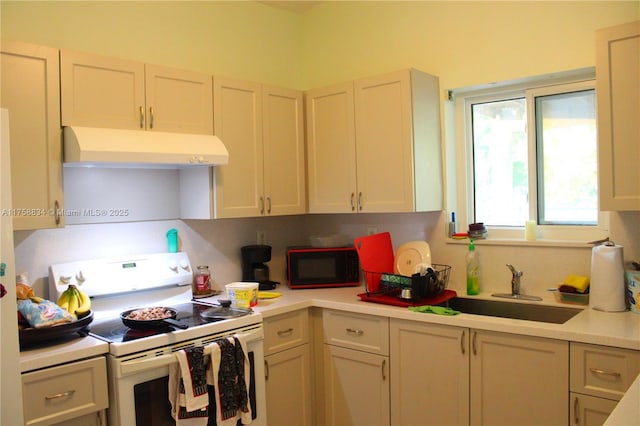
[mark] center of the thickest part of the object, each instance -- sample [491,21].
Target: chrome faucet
[515,287]
[515,280]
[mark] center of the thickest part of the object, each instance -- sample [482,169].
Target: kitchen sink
[523,311]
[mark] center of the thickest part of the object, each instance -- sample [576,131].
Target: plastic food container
[242,294]
[573,298]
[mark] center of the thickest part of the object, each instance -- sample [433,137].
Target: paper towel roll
[607,279]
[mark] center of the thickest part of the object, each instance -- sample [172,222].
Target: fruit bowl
[30,336]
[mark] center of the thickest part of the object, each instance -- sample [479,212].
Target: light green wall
[241,39]
[465,43]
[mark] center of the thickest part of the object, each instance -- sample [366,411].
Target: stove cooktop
[114,330]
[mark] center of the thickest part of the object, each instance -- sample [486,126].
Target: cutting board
[375,253]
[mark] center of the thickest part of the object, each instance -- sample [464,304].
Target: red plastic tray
[388,299]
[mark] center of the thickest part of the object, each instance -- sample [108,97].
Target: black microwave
[311,267]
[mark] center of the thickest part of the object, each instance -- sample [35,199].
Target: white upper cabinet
[261,126]
[618,97]
[331,149]
[283,139]
[31,92]
[377,150]
[107,92]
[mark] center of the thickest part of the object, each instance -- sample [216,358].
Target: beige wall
[242,39]
[464,43]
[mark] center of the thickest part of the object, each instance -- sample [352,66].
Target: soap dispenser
[473,271]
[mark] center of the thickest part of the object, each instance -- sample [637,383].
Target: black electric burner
[115,331]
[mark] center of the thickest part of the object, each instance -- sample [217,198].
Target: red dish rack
[385,288]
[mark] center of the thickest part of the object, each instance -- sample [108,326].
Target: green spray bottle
[473,271]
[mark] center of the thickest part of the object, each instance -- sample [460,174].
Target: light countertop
[619,329]
[65,350]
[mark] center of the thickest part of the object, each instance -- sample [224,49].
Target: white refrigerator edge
[11,389]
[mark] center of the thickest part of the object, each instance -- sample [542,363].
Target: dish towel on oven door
[231,377]
[188,392]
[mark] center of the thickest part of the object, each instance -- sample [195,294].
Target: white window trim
[459,146]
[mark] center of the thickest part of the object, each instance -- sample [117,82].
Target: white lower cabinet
[518,380]
[356,369]
[356,387]
[288,370]
[588,410]
[445,375]
[429,374]
[600,375]
[68,394]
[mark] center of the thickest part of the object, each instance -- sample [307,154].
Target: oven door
[138,388]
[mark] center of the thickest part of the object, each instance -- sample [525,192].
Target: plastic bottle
[473,271]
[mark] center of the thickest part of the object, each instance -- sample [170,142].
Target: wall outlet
[261,237]
[372,230]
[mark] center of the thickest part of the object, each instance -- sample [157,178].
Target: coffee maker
[254,268]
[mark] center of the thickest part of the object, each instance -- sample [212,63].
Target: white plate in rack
[411,254]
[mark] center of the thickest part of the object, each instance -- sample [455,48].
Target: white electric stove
[138,360]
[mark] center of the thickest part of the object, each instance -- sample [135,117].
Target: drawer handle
[605,372]
[576,412]
[286,331]
[355,331]
[60,395]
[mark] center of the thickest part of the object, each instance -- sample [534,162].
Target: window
[531,152]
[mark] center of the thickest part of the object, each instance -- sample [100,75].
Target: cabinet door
[238,123]
[384,143]
[430,374]
[618,89]
[98,91]
[331,152]
[31,92]
[178,101]
[283,138]
[519,380]
[288,383]
[589,410]
[603,371]
[65,392]
[356,387]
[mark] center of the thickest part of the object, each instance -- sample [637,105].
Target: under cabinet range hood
[90,146]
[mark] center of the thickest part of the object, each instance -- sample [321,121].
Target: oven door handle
[135,366]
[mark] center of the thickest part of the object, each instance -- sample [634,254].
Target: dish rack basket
[387,283]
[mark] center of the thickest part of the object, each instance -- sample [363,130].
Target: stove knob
[185,265]
[65,279]
[80,278]
[173,266]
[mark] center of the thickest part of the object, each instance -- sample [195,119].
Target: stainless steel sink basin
[522,311]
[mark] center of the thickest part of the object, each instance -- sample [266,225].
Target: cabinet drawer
[64,392]
[603,371]
[356,331]
[286,331]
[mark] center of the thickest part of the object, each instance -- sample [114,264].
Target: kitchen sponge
[577,282]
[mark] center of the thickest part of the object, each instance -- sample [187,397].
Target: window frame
[460,192]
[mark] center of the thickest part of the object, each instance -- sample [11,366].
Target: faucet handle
[515,272]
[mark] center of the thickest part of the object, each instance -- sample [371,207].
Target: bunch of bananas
[74,301]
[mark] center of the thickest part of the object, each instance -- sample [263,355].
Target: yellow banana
[73,301]
[63,300]
[84,302]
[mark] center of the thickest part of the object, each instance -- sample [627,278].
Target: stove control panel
[115,275]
